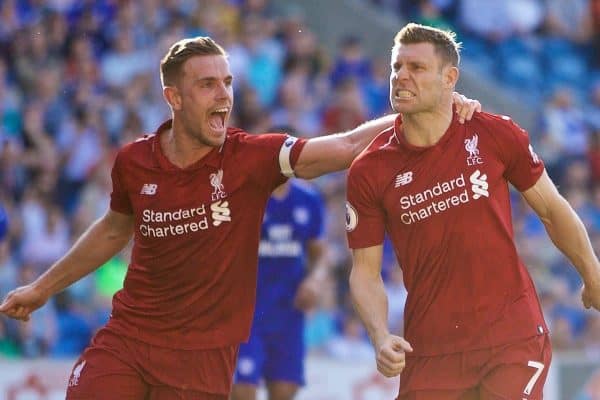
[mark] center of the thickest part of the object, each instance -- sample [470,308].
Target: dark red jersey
[192,278]
[446,209]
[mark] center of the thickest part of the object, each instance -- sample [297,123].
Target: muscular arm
[368,292]
[335,152]
[105,238]
[565,229]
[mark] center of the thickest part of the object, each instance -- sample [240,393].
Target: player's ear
[173,97]
[451,74]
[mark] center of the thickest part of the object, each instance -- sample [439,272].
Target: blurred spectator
[78,143]
[352,345]
[595,16]
[50,242]
[320,322]
[376,89]
[591,390]
[38,334]
[592,110]
[351,63]
[591,337]
[486,19]
[122,64]
[9,20]
[297,104]
[73,331]
[10,103]
[8,346]
[429,12]
[347,109]
[569,20]
[567,314]
[564,134]
[3,224]
[562,334]
[594,155]
[265,58]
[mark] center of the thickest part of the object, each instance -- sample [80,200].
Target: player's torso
[447,193]
[197,208]
[192,225]
[448,215]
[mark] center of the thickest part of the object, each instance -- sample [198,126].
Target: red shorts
[117,367]
[508,372]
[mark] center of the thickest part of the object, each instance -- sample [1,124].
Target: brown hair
[444,41]
[183,50]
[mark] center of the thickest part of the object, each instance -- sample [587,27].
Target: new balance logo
[220,212]
[479,184]
[149,189]
[404,179]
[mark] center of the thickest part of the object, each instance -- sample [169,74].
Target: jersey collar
[411,147]
[212,159]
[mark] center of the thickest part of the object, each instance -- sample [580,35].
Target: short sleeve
[270,147]
[365,217]
[119,197]
[524,167]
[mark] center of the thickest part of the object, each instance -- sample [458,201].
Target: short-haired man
[474,328]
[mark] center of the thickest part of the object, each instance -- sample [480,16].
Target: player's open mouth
[216,119]
[403,94]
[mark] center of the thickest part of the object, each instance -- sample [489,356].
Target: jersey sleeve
[365,217]
[119,197]
[523,166]
[276,164]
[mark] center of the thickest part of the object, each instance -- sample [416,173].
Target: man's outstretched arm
[569,235]
[335,152]
[371,304]
[103,239]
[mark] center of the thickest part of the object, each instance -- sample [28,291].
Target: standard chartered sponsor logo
[158,224]
[220,212]
[442,196]
[479,184]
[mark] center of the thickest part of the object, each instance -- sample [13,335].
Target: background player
[292,265]
[473,324]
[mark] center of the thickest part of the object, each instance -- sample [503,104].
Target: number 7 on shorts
[539,368]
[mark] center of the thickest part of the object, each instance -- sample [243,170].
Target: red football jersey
[192,278]
[446,209]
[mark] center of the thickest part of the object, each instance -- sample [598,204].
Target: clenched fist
[390,354]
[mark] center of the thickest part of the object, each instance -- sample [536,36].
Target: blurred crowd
[80,78]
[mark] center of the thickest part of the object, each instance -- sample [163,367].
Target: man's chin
[217,140]
[405,107]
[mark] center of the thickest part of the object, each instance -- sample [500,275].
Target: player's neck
[426,128]
[180,149]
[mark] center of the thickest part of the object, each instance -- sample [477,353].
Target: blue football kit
[275,350]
